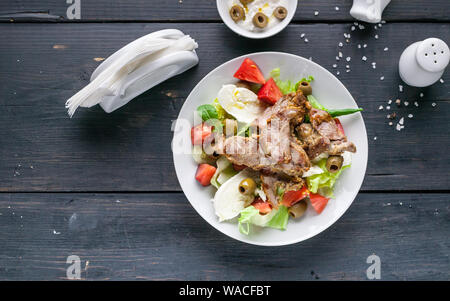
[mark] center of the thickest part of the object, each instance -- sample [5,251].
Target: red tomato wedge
[239,167]
[263,207]
[270,93]
[318,202]
[339,125]
[250,72]
[204,174]
[199,133]
[292,197]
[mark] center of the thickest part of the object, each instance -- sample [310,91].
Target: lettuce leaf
[250,215]
[221,113]
[280,219]
[223,172]
[286,86]
[324,181]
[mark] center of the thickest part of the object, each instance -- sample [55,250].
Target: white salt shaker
[423,63]
[368,10]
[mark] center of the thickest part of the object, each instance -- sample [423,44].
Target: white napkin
[112,79]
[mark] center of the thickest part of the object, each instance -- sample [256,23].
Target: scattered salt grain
[421,94]
[390,123]
[398,102]
[375,138]
[56,233]
[383,22]
[348,70]
[376,36]
[400,88]
[382,78]
[401,121]
[341,44]
[389,101]
[302,35]
[433,104]
[365,46]
[364,58]
[334,65]
[406,103]
[416,103]
[340,54]
[380,25]
[386,49]
[306,40]
[441,80]
[336,8]
[380,108]
[359,46]
[410,116]
[361,26]
[337,58]
[399,127]
[353,28]
[348,58]
[388,108]
[347,66]
[316,13]
[337,72]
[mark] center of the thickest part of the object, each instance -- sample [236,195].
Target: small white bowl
[224,12]
[330,92]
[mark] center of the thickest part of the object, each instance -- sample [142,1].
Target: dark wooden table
[103,187]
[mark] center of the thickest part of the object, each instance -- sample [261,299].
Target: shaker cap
[433,55]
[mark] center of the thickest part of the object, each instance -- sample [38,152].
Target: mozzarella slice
[228,201]
[241,103]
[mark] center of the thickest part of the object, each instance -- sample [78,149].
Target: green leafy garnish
[280,219]
[207,112]
[334,113]
[325,179]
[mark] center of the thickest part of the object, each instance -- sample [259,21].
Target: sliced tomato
[204,174]
[270,93]
[263,207]
[250,72]
[318,202]
[200,132]
[339,125]
[239,167]
[292,197]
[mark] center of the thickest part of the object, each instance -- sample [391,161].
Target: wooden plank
[160,236]
[205,10]
[129,150]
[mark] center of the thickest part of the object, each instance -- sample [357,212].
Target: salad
[269,148]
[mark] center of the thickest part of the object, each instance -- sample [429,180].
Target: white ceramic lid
[433,55]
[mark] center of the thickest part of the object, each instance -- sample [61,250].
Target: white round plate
[331,93]
[224,12]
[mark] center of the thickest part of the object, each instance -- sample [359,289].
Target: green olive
[247,186]
[260,20]
[298,209]
[305,87]
[237,13]
[334,163]
[245,2]
[280,12]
